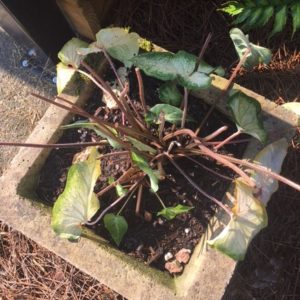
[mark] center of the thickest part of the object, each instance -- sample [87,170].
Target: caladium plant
[149,138]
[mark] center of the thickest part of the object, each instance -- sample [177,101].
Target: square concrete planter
[208,272]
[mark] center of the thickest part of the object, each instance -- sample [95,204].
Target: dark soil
[149,237]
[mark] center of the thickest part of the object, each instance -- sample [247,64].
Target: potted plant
[148,140]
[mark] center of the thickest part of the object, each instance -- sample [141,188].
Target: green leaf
[78,203]
[120,44]
[181,66]
[272,157]
[119,188]
[232,8]
[64,75]
[141,146]
[295,11]
[169,93]
[171,212]
[257,55]
[249,218]
[98,131]
[142,164]
[69,53]
[171,113]
[253,19]
[280,20]
[156,64]
[116,226]
[246,112]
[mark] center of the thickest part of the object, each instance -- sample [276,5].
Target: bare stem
[227,140]
[185,107]
[263,170]
[214,134]
[161,126]
[227,210]
[141,89]
[132,188]
[68,145]
[139,200]
[201,54]
[208,169]
[225,91]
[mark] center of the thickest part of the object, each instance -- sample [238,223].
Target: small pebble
[187,230]
[168,256]
[173,267]
[183,255]
[160,221]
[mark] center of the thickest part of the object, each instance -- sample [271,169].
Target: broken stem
[185,107]
[141,89]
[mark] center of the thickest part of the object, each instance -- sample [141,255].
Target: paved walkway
[19,110]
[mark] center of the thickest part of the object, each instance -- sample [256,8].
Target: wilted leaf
[78,203]
[142,164]
[246,112]
[171,212]
[169,94]
[249,218]
[171,113]
[258,55]
[98,131]
[64,75]
[120,44]
[69,53]
[272,157]
[116,226]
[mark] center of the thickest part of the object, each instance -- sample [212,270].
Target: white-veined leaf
[119,43]
[69,53]
[78,203]
[249,218]
[272,157]
[258,55]
[63,75]
[246,113]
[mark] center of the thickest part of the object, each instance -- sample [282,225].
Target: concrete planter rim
[206,275]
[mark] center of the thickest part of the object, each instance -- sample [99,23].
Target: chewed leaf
[272,157]
[141,146]
[78,203]
[142,164]
[98,131]
[64,75]
[116,226]
[69,53]
[171,114]
[180,66]
[120,44]
[249,218]
[169,94]
[246,112]
[171,212]
[258,55]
